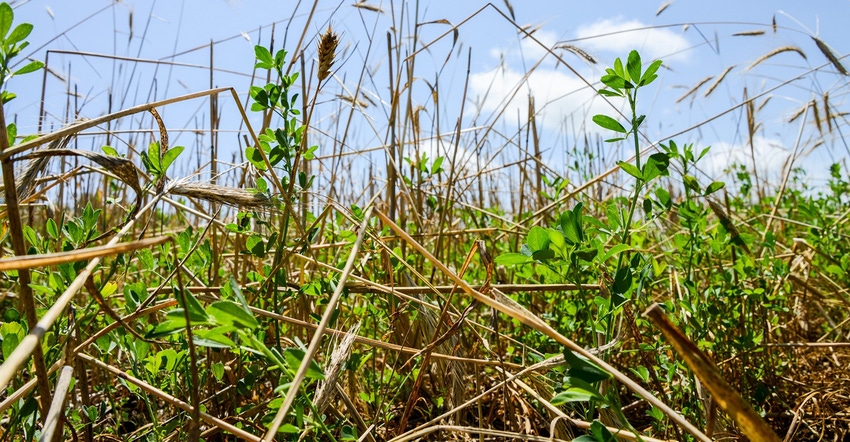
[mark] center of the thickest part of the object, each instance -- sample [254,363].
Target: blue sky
[695,39]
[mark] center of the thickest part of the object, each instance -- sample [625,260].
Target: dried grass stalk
[367,6]
[826,113]
[718,80]
[825,49]
[577,51]
[122,168]
[220,194]
[339,355]
[798,113]
[510,10]
[777,51]
[748,33]
[694,89]
[816,114]
[35,167]
[327,52]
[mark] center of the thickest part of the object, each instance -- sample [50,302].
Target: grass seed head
[327,52]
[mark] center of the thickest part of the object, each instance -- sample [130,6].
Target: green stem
[635,196]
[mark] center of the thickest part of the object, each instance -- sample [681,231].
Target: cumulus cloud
[619,36]
[771,156]
[559,96]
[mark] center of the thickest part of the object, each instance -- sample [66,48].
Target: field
[385,255]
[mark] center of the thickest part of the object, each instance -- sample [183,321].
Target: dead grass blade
[25,184]
[49,259]
[230,196]
[727,398]
[775,52]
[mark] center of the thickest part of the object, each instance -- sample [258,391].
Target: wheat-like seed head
[327,51]
[775,52]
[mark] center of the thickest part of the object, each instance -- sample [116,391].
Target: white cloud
[771,156]
[620,36]
[559,97]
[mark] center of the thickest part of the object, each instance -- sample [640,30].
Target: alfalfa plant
[577,247]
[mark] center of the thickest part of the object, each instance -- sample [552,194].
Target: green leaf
[601,433]
[12,333]
[649,75]
[237,292]
[52,229]
[256,246]
[6,18]
[556,239]
[714,187]
[609,93]
[196,310]
[574,394]
[167,327]
[543,255]
[215,337]
[264,57]
[512,259]
[630,169]
[571,225]
[255,157]
[109,150]
[609,123]
[622,281]
[618,68]
[538,239]
[217,369]
[633,65]
[584,370]
[29,67]
[11,132]
[691,183]
[616,250]
[295,356]
[231,313]
[18,34]
[170,156]
[656,166]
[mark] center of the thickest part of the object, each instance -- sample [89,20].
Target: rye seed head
[327,51]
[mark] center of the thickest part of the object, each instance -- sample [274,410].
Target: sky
[696,40]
